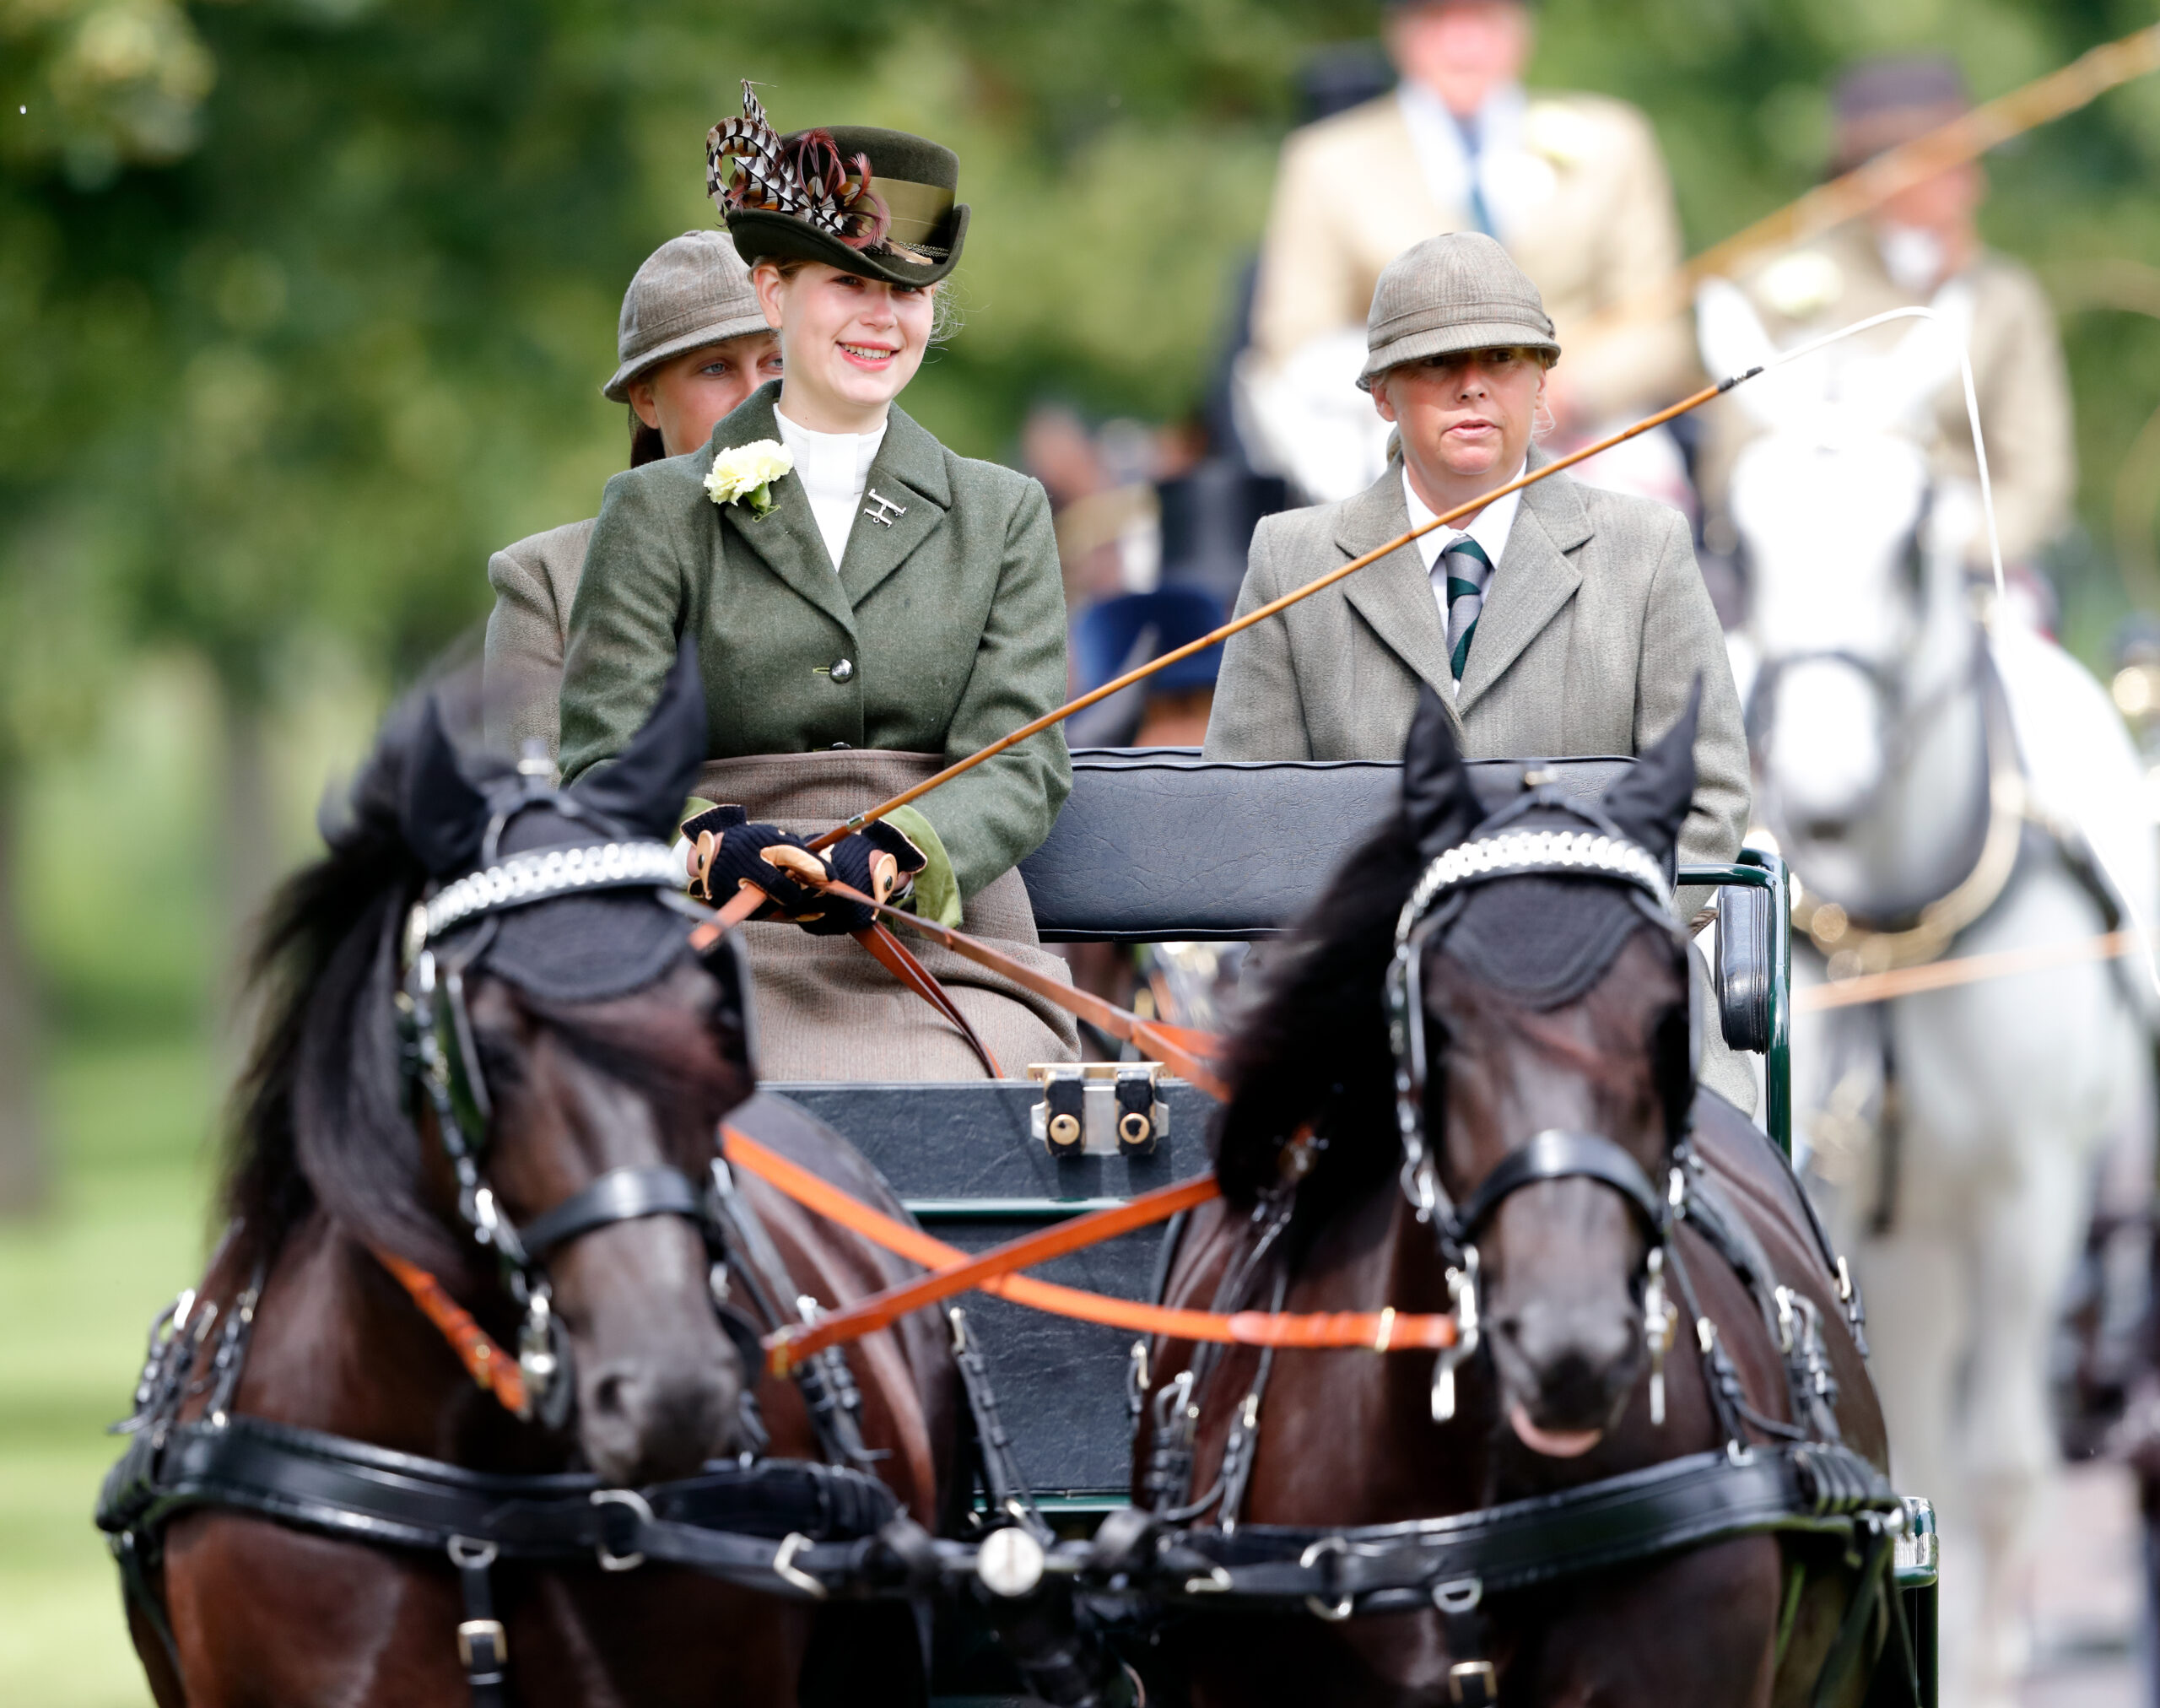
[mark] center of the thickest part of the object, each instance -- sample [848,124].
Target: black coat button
[844,671]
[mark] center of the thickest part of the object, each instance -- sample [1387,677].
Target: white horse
[1942,786]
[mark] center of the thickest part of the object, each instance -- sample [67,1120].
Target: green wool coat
[951,621]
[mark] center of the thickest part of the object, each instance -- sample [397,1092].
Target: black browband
[620,1195]
[1555,1155]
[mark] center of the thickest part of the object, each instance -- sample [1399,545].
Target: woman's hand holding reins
[729,854]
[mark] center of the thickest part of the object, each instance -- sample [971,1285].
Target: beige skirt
[826,1009]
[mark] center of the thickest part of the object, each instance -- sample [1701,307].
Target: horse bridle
[1900,722]
[441,1063]
[1600,850]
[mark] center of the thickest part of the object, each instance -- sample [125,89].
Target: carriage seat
[1157,845]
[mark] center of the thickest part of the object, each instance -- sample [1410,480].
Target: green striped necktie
[1468,573]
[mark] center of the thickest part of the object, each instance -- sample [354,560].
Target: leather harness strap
[742,1524]
[483,1358]
[1680,1503]
[620,1195]
[1179,1048]
[1173,1047]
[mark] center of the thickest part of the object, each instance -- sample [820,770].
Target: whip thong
[749,900]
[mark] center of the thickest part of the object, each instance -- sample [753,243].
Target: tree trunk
[24,1176]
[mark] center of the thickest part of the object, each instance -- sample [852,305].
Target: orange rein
[486,1362]
[954,1272]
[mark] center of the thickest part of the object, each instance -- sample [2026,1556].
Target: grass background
[135,1082]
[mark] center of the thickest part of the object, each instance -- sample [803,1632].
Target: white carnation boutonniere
[745,474]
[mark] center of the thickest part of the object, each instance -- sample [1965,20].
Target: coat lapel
[1395,594]
[785,538]
[909,474]
[1534,579]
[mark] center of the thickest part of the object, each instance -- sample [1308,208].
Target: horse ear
[1650,802]
[1438,803]
[644,788]
[442,815]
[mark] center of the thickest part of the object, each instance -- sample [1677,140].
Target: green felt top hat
[875,202]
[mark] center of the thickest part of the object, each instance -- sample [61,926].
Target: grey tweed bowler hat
[694,290]
[1458,292]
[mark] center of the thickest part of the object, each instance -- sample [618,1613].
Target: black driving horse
[483,1114]
[1470,1087]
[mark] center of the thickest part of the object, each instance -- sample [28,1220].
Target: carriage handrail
[1758,868]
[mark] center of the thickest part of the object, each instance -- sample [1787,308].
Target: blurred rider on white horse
[1923,247]
[1947,783]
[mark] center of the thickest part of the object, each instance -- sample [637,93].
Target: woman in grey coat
[1560,622]
[691,344]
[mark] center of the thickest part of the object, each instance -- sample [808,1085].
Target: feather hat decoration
[802,177]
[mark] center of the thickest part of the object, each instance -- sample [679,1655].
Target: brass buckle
[474,1633]
[1473,1685]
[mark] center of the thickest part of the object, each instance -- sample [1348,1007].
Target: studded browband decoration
[1518,853]
[542,874]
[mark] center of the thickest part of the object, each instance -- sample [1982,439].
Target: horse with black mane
[1469,1087]
[482,1113]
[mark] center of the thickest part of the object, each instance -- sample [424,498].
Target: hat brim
[618,390]
[782,236]
[1454,341]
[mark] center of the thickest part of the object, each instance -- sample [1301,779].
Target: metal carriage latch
[1099,1108]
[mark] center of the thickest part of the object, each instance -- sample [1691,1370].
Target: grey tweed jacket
[536,583]
[1595,627]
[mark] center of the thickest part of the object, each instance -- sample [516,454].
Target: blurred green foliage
[305,301]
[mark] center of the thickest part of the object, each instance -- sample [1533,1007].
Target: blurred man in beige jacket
[1573,184]
[1923,247]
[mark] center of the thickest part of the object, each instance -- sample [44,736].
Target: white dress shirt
[1489,527]
[834,469]
[1512,178]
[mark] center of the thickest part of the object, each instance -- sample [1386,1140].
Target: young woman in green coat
[867,607]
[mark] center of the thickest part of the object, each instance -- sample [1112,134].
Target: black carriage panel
[1154,844]
[964,1158]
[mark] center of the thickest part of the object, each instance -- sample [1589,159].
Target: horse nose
[641,1423]
[1579,1360]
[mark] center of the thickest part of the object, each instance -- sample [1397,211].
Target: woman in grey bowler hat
[692,344]
[1559,622]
